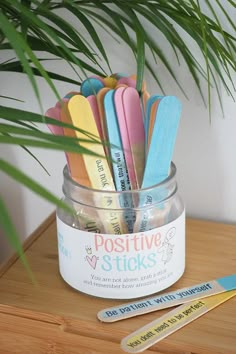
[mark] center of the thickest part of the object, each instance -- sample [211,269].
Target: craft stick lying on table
[174,320]
[166,300]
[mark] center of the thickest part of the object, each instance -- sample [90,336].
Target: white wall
[204,152]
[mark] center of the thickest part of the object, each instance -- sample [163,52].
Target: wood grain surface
[53,318]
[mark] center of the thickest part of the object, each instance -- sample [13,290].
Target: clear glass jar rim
[164,183]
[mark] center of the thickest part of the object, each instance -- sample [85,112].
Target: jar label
[122,266]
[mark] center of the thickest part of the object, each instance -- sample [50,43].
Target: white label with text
[122,266]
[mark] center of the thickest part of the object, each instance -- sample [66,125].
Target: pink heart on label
[92,261]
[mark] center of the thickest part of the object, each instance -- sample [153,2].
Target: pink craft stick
[136,133]
[94,106]
[58,104]
[127,81]
[118,100]
[54,113]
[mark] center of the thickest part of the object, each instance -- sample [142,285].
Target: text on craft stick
[164,326]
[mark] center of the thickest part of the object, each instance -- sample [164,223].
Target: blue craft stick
[118,163]
[120,75]
[162,143]
[159,155]
[228,283]
[91,86]
[120,172]
[167,300]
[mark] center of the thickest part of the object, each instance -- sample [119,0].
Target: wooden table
[52,318]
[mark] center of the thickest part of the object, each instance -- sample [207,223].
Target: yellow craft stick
[97,167]
[77,167]
[157,330]
[79,174]
[110,82]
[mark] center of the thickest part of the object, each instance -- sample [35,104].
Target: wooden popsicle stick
[99,78]
[58,130]
[154,109]
[135,129]
[54,113]
[91,86]
[127,81]
[100,101]
[145,97]
[120,172]
[159,155]
[97,167]
[162,142]
[168,299]
[94,106]
[110,82]
[119,166]
[76,163]
[149,104]
[118,101]
[120,85]
[169,323]
[104,136]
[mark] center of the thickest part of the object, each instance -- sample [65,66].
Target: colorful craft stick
[54,113]
[174,320]
[169,299]
[94,106]
[152,119]
[197,300]
[104,137]
[145,97]
[127,81]
[159,155]
[162,142]
[118,102]
[149,104]
[136,134]
[75,161]
[118,160]
[97,167]
[110,82]
[91,86]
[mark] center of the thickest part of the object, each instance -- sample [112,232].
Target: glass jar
[121,244]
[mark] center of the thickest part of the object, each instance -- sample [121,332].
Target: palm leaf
[27,150]
[89,27]
[28,182]
[16,66]
[140,39]
[67,142]
[19,46]
[11,98]
[15,115]
[10,231]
